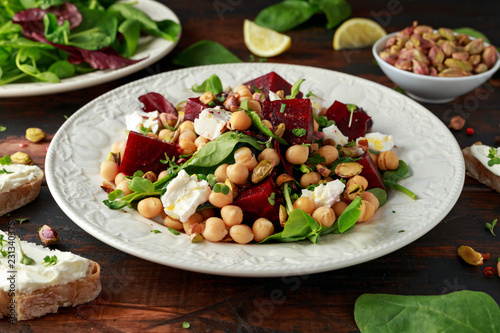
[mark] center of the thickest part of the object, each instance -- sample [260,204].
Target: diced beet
[297,114]
[271,82]
[193,108]
[254,201]
[360,123]
[144,153]
[157,102]
[370,172]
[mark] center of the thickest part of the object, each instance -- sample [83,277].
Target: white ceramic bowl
[430,89]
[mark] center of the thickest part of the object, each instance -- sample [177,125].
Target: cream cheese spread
[481,153]
[15,175]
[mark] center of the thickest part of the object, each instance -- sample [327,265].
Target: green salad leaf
[205,52]
[391,179]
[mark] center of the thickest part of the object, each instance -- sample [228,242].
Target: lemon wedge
[264,42]
[357,33]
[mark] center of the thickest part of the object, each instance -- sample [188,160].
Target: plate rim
[28,89]
[392,246]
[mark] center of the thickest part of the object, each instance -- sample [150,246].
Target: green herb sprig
[491,226]
[49,261]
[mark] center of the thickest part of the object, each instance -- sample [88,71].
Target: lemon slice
[264,42]
[357,33]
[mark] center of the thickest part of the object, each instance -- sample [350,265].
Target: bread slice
[22,192]
[478,171]
[33,299]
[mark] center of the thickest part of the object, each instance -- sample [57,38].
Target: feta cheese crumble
[378,141]
[210,122]
[333,132]
[138,119]
[183,195]
[325,194]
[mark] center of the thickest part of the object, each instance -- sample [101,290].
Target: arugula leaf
[285,15]
[204,52]
[212,84]
[458,311]
[391,178]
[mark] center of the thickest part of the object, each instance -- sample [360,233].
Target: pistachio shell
[470,256]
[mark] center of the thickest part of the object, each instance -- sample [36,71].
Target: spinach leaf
[380,194]
[460,311]
[258,124]
[350,215]
[391,178]
[53,31]
[205,52]
[139,184]
[286,15]
[62,69]
[300,224]
[99,36]
[473,33]
[336,11]
[131,31]
[212,84]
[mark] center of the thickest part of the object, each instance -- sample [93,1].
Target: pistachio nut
[353,191]
[489,56]
[475,59]
[279,130]
[455,63]
[448,48]
[404,64]
[433,71]
[207,97]
[463,56]
[462,39]
[420,67]
[283,178]
[323,171]
[21,158]
[447,33]
[457,123]
[420,56]
[150,175]
[262,170]
[422,29]
[390,42]
[470,256]
[35,134]
[281,94]
[387,57]
[113,157]
[481,68]
[348,170]
[345,151]
[48,235]
[475,47]
[431,36]
[196,237]
[283,215]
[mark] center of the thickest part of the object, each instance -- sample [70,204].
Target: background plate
[150,48]
[423,141]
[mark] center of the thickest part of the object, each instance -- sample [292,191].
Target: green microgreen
[492,155]
[175,232]
[24,258]
[155,231]
[21,221]
[145,130]
[3,128]
[491,226]
[221,188]
[351,108]
[282,108]
[48,261]
[325,122]
[295,89]
[186,324]
[6,160]
[271,199]
[299,132]
[5,172]
[2,251]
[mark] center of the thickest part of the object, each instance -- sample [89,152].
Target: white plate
[72,170]
[150,48]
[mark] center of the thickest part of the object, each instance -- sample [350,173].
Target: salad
[258,163]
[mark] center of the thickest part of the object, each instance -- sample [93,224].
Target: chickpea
[371,198]
[330,153]
[188,124]
[339,208]
[245,156]
[200,141]
[153,135]
[165,134]
[221,173]
[297,154]
[192,225]
[269,154]
[262,228]
[116,147]
[374,157]
[254,106]
[310,179]
[315,125]
[215,229]
[187,146]
[325,216]
[367,211]
[162,174]
[304,203]
[170,222]
[357,180]
[119,178]
[109,170]
[150,207]
[188,134]
[206,213]
[123,186]
[243,92]
[237,173]
[240,121]
[387,160]
[232,215]
[220,199]
[268,124]
[241,233]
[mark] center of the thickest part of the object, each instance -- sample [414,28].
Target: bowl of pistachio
[435,66]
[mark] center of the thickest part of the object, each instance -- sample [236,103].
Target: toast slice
[20,184]
[479,171]
[42,288]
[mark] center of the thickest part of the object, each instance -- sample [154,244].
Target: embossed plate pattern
[72,170]
[150,49]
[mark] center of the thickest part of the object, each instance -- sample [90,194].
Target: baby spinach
[336,11]
[380,194]
[212,84]
[391,179]
[295,89]
[350,215]
[205,52]
[258,124]
[460,311]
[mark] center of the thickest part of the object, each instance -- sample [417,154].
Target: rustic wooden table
[140,296]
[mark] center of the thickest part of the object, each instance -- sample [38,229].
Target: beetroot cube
[370,172]
[144,153]
[296,114]
[341,115]
[193,108]
[271,82]
[254,201]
